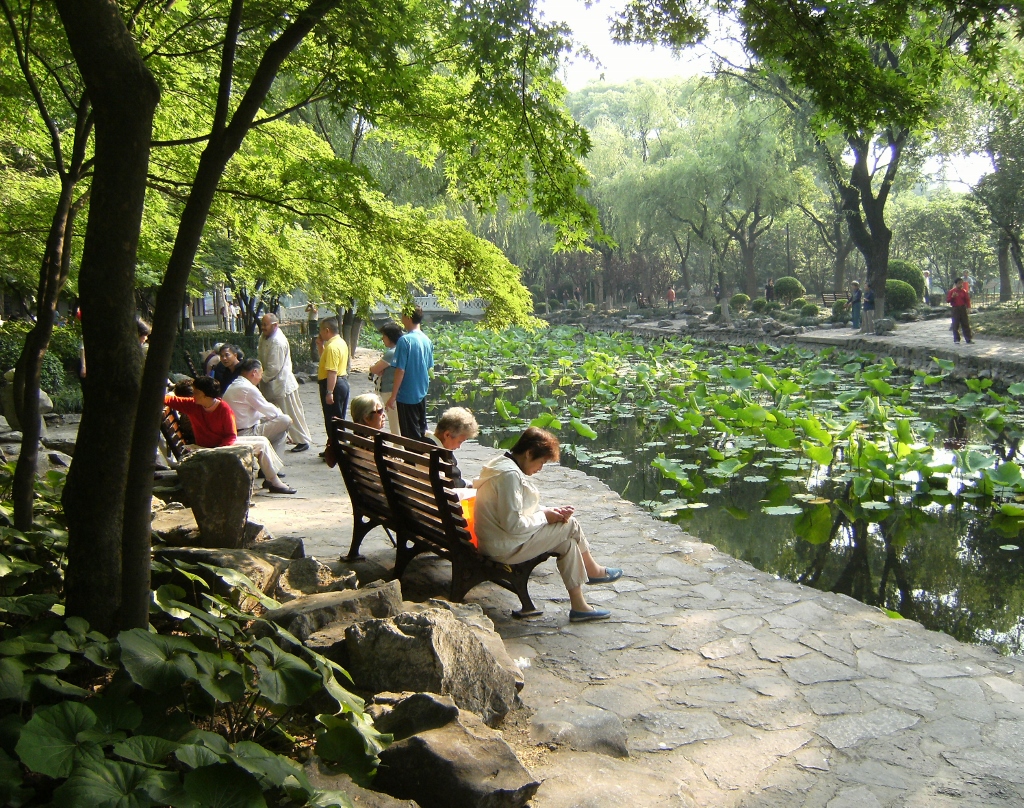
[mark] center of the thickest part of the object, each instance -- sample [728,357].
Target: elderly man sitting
[254,415]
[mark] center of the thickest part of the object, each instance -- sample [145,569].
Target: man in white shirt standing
[279,384]
[254,415]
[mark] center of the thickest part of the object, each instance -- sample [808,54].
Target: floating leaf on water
[1010,547]
[756,478]
[712,490]
[872,505]
[782,510]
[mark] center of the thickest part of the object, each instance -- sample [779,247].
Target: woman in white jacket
[512,527]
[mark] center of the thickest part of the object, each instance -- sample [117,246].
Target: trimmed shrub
[716,313]
[588,307]
[899,296]
[738,301]
[908,273]
[758,305]
[799,303]
[775,305]
[839,312]
[809,310]
[554,304]
[788,288]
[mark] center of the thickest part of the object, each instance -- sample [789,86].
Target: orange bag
[469,512]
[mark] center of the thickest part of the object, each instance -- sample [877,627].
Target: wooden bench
[171,430]
[422,509]
[829,298]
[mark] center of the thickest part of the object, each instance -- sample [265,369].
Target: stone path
[734,688]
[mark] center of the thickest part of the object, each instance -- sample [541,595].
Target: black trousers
[412,419]
[961,322]
[337,409]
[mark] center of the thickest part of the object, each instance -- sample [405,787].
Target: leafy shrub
[797,303]
[787,288]
[540,307]
[12,340]
[809,310]
[572,305]
[716,313]
[588,307]
[774,305]
[67,399]
[839,311]
[899,296]
[758,305]
[554,304]
[908,273]
[738,301]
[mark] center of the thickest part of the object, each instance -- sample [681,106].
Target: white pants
[564,538]
[270,463]
[273,429]
[291,405]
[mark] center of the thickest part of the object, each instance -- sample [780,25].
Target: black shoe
[323,453]
[969,342]
[299,447]
[278,489]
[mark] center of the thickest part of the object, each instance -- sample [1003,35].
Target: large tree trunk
[124,97]
[1005,287]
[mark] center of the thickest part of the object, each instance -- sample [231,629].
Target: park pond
[834,469]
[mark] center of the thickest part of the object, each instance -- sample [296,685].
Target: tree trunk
[1005,288]
[351,327]
[124,97]
[30,364]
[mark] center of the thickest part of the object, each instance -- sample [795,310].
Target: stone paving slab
[735,688]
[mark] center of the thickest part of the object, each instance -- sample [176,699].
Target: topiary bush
[839,312]
[758,305]
[908,273]
[809,310]
[554,304]
[788,288]
[738,301]
[798,303]
[775,305]
[899,296]
[716,314]
[588,307]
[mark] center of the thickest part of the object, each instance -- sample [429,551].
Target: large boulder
[451,759]
[262,570]
[430,651]
[306,615]
[307,576]
[472,616]
[218,486]
[884,326]
[323,777]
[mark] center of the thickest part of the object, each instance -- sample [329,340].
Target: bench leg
[465,575]
[406,552]
[520,580]
[361,525]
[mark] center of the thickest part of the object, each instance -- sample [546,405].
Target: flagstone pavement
[735,688]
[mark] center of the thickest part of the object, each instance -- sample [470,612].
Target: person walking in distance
[332,374]
[279,384]
[854,304]
[960,299]
[671,297]
[414,357]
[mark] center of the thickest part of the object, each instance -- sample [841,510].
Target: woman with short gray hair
[455,426]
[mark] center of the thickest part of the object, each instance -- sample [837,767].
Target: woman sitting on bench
[213,423]
[368,410]
[512,527]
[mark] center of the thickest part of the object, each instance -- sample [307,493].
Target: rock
[472,615]
[7,403]
[10,437]
[430,651]
[60,445]
[884,326]
[263,571]
[462,763]
[310,613]
[405,714]
[323,778]
[307,576]
[664,323]
[59,459]
[255,532]
[286,547]
[582,728]
[179,536]
[217,484]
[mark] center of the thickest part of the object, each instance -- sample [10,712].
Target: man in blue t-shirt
[414,357]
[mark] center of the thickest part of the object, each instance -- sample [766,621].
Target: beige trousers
[564,538]
[291,405]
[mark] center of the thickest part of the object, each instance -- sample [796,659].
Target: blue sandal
[586,617]
[610,574]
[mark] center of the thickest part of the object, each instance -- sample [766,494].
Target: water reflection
[943,564]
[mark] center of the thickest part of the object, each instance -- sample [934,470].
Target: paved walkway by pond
[734,688]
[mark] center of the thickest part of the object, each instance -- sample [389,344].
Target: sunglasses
[377,412]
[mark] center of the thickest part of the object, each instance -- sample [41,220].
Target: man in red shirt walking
[960,299]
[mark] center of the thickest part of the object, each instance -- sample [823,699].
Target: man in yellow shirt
[332,373]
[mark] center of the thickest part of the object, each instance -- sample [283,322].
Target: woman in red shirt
[213,424]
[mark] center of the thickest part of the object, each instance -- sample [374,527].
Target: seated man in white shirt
[254,415]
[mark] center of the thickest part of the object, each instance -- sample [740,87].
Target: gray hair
[458,422]
[361,407]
